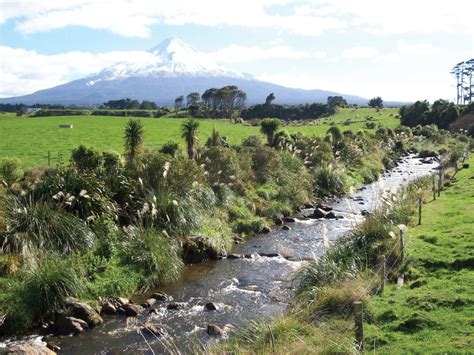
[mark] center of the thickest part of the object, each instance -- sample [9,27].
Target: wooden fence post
[420,203]
[359,325]
[402,245]
[382,262]
[440,181]
[49,158]
[433,179]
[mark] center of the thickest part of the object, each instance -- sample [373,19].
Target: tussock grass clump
[36,225]
[213,238]
[329,180]
[153,252]
[42,289]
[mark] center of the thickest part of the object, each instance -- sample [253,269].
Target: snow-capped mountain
[171,69]
[171,58]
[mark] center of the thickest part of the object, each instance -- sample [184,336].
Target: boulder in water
[330,215]
[286,228]
[234,256]
[289,219]
[30,348]
[228,329]
[318,213]
[70,325]
[149,302]
[108,308]
[132,310]
[266,229]
[160,296]
[214,331]
[325,208]
[269,255]
[210,306]
[85,312]
[175,306]
[278,221]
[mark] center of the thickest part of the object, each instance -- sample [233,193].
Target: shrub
[116,279]
[222,165]
[112,162]
[250,226]
[85,196]
[37,226]
[328,180]
[10,170]
[337,263]
[153,252]
[252,141]
[86,160]
[49,283]
[213,238]
[108,237]
[42,291]
[264,161]
[170,148]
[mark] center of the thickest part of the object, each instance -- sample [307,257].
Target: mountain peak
[172,45]
[173,57]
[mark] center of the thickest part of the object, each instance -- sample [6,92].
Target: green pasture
[30,138]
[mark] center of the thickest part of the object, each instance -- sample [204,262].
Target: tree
[230,99]
[412,115]
[133,137]
[376,102]
[22,111]
[209,99]
[269,99]
[463,72]
[269,126]
[148,105]
[336,101]
[189,133]
[178,103]
[192,99]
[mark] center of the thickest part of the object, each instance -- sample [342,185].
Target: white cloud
[24,71]
[237,54]
[415,48]
[133,18]
[359,53]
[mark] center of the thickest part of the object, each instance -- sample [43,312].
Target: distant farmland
[30,138]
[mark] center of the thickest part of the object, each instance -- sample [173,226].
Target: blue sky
[400,50]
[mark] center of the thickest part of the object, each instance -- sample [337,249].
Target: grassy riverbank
[434,311]
[431,313]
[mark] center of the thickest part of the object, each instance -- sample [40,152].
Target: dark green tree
[270,98]
[376,102]
[133,137]
[189,133]
[269,126]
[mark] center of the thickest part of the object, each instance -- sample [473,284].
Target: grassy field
[30,139]
[435,312]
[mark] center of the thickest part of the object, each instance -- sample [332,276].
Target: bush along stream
[79,236]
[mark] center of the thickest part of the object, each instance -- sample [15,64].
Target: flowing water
[243,289]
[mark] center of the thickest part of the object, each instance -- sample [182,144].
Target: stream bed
[243,289]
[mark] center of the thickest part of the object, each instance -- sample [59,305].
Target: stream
[243,289]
